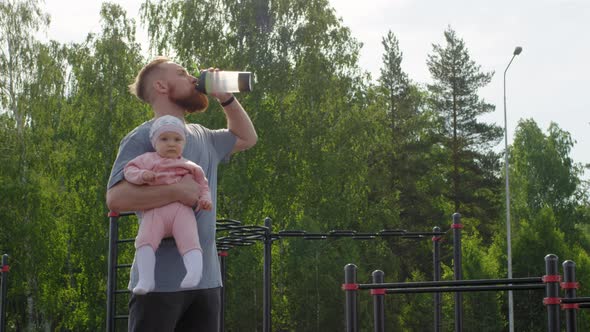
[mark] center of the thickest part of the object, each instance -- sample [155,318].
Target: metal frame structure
[235,234]
[551,282]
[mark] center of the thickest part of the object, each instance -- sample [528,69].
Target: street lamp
[517,51]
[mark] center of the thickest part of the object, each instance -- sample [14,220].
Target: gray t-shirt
[207,148]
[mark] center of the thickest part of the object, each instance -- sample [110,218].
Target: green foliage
[546,176]
[549,204]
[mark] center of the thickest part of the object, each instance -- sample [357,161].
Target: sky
[547,82]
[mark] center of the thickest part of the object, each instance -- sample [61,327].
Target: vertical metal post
[351,297]
[266,296]
[222,264]
[552,299]
[458,270]
[436,277]
[570,285]
[378,302]
[3,292]
[516,52]
[112,270]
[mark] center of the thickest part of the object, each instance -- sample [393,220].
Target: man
[170,90]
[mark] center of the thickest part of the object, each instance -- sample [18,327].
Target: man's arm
[125,196]
[239,123]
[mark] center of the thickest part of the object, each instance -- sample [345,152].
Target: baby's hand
[148,176]
[205,205]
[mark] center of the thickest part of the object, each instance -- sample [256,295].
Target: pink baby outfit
[174,219]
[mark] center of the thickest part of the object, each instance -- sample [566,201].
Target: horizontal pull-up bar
[577,300]
[420,284]
[453,289]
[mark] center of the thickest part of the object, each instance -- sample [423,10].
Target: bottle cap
[245,82]
[201,82]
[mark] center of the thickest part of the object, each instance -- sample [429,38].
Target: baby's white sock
[145,259]
[193,262]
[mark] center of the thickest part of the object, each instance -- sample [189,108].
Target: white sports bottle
[224,81]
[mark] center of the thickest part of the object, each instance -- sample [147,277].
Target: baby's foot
[143,287]
[191,280]
[193,262]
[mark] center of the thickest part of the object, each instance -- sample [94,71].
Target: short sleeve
[223,142]
[133,145]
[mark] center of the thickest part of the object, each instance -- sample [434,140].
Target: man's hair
[138,88]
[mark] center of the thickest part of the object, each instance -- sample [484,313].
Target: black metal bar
[351,298]
[424,233]
[552,293]
[576,300]
[462,289]
[291,233]
[267,319]
[458,270]
[315,236]
[474,282]
[222,264]
[112,270]
[341,233]
[3,292]
[363,237]
[223,225]
[569,279]
[378,303]
[354,234]
[437,297]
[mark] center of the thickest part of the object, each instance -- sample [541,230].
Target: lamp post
[517,51]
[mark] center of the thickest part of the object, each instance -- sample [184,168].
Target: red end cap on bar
[350,287]
[551,278]
[378,291]
[551,300]
[6,268]
[222,253]
[456,225]
[570,285]
[113,214]
[570,306]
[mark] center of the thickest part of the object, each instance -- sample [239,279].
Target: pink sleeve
[201,180]
[135,168]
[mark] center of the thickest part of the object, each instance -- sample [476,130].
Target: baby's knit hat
[164,124]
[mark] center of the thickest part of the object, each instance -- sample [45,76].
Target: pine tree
[474,184]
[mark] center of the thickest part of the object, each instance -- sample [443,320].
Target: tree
[544,175]
[549,205]
[101,112]
[72,108]
[403,168]
[19,22]
[473,175]
[536,236]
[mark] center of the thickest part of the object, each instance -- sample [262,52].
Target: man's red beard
[195,102]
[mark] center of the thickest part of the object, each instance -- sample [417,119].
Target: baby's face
[169,145]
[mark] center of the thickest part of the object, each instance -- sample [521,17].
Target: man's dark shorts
[192,310]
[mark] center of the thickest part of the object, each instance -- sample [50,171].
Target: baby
[167,166]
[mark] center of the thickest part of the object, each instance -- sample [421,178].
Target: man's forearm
[130,197]
[239,123]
